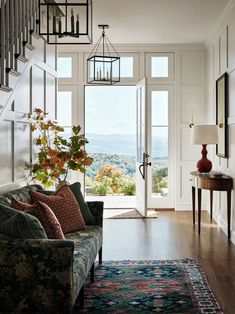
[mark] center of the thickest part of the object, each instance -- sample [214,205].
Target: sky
[110,109]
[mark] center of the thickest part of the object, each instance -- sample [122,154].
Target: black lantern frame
[103,63]
[64,22]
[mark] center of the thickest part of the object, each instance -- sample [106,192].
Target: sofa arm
[36,276]
[97,209]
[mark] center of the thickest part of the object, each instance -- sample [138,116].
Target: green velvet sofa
[47,275]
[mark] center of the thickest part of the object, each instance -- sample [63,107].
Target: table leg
[199,197]
[229,212]
[211,203]
[193,203]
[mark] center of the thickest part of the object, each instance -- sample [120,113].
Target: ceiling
[157,21]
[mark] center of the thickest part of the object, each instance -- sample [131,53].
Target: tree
[113,173]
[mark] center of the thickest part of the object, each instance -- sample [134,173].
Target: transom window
[65,67]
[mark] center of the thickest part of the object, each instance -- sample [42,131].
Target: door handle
[142,174]
[143,165]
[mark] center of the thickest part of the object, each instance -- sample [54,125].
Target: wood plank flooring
[172,236]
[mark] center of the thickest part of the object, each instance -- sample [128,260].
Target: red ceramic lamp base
[204,165]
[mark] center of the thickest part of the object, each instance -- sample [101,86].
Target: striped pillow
[44,214]
[15,224]
[64,206]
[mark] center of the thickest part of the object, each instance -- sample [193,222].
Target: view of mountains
[121,144]
[119,150]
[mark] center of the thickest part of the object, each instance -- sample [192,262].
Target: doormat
[170,286]
[134,214]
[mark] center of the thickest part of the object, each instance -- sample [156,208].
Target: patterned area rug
[133,214]
[171,286]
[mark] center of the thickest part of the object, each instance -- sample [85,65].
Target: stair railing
[18,22]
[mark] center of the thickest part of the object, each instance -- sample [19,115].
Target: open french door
[141,153]
[155,146]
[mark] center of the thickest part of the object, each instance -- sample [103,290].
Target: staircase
[19,23]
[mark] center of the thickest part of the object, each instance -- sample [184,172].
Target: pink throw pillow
[44,214]
[64,206]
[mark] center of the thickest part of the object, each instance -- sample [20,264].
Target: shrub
[102,188]
[128,186]
[160,178]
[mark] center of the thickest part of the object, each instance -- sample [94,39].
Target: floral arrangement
[56,155]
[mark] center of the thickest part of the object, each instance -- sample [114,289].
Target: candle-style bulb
[60,25]
[72,21]
[77,26]
[100,73]
[54,24]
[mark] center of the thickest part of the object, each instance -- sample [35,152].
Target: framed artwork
[221,115]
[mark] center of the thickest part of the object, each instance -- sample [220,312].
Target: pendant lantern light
[103,63]
[66,21]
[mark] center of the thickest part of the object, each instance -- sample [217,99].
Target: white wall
[221,59]
[35,87]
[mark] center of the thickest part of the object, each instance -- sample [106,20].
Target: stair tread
[13,72]
[21,58]
[5,88]
[35,34]
[28,45]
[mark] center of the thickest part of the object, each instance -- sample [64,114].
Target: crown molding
[135,47]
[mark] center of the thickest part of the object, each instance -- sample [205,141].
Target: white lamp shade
[204,134]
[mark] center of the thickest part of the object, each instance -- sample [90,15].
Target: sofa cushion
[64,206]
[86,213]
[20,225]
[86,246]
[44,214]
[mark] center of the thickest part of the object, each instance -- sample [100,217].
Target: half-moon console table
[213,183]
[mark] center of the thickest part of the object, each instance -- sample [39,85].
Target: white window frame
[171,67]
[74,78]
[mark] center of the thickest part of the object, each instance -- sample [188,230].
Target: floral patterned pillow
[64,206]
[44,214]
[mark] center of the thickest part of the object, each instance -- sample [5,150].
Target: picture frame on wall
[221,115]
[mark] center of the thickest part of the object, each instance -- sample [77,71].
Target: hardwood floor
[172,236]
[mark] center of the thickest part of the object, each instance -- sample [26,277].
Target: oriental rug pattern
[170,286]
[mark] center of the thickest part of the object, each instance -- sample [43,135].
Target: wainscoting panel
[231,83]
[188,151]
[6,160]
[50,95]
[22,100]
[37,87]
[191,106]
[22,149]
[192,69]
[223,51]
[216,58]
[231,42]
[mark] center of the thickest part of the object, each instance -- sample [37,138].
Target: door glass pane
[160,161]
[159,67]
[65,67]
[64,108]
[159,108]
